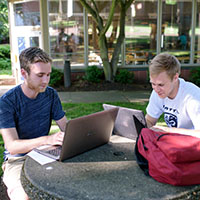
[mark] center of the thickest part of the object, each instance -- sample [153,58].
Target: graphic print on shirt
[170,119]
[170,116]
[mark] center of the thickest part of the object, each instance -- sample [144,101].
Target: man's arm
[16,146]
[192,132]
[150,121]
[62,123]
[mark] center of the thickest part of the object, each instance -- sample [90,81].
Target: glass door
[25,30]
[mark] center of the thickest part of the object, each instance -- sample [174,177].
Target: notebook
[125,123]
[83,134]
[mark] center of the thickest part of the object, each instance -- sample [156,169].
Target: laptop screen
[124,123]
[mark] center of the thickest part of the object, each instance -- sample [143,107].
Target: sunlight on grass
[74,110]
[1,154]
[161,124]
[5,72]
[54,129]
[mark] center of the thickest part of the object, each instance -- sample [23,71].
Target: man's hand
[56,138]
[160,129]
[150,121]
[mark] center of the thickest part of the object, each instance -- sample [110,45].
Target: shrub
[4,27]
[5,51]
[124,76]
[195,76]
[5,63]
[93,74]
[57,77]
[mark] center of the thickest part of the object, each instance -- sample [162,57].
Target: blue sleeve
[57,111]
[6,115]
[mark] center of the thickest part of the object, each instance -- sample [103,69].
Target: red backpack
[169,157]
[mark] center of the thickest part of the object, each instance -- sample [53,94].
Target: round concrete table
[109,172]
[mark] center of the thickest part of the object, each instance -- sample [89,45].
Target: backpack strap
[162,135]
[141,161]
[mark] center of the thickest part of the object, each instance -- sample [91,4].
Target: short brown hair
[33,55]
[165,62]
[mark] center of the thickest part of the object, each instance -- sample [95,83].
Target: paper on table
[41,159]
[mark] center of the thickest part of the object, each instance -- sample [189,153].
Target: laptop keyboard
[55,152]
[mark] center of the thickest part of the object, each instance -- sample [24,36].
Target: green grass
[74,110]
[1,153]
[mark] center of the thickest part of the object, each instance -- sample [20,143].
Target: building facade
[65,30]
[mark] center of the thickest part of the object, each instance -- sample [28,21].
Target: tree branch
[99,18]
[95,6]
[115,55]
[94,12]
[110,17]
[128,3]
[89,10]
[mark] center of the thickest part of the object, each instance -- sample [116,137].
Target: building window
[142,42]
[197,35]
[176,28]
[94,51]
[141,27]
[27,13]
[34,41]
[66,31]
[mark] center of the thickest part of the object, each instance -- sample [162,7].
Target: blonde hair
[165,62]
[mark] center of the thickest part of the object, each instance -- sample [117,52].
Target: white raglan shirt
[183,111]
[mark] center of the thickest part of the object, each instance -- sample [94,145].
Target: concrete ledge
[7,80]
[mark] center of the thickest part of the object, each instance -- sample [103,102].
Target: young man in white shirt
[178,99]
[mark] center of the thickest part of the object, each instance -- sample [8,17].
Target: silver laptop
[83,134]
[127,121]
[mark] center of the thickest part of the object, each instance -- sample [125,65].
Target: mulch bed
[83,85]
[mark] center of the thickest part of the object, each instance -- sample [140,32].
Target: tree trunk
[120,39]
[105,59]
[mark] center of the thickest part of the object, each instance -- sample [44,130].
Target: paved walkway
[97,96]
